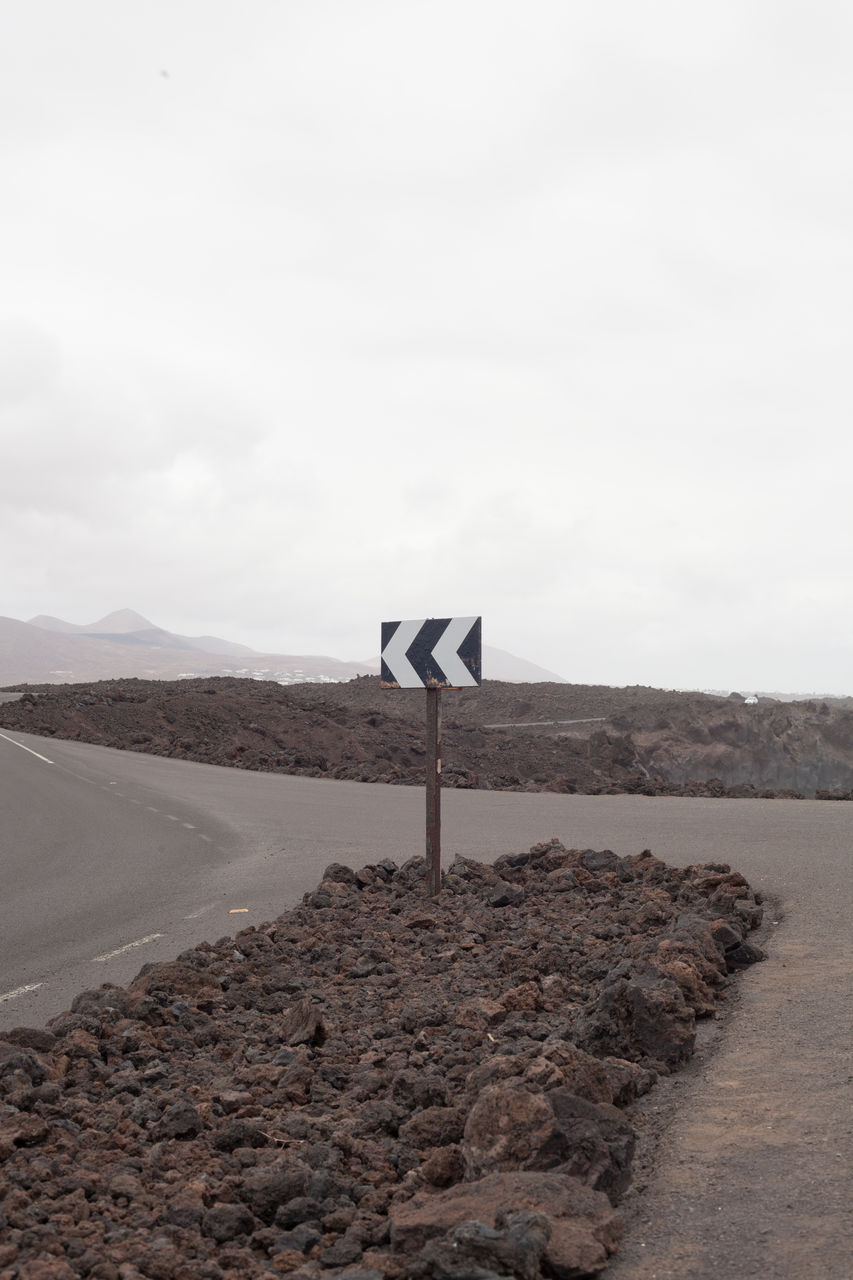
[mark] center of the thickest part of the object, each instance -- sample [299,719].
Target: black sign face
[432,653]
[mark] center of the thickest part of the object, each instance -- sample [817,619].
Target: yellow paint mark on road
[238,911]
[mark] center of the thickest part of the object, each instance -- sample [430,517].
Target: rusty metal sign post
[433,790]
[432,654]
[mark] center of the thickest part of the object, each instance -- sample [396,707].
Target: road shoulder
[746,1160]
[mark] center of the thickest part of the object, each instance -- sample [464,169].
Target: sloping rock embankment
[375,1084]
[502,737]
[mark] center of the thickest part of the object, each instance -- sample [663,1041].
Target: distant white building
[751,701]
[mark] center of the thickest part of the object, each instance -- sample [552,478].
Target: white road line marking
[201,911]
[171,817]
[537,724]
[189,826]
[151,808]
[22,991]
[128,946]
[206,839]
[23,748]
[136,802]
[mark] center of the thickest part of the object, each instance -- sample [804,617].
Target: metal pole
[433,790]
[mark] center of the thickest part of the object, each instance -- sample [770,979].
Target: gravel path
[752,1174]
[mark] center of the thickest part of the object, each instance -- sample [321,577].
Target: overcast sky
[314,315]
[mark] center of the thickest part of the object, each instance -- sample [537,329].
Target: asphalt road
[102,849]
[109,859]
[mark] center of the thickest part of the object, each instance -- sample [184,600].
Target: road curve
[102,848]
[109,859]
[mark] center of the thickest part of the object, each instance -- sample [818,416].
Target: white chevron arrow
[446,652]
[394,653]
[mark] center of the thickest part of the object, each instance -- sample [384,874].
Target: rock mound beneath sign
[376,1084]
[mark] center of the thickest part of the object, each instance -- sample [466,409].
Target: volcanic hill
[554,737]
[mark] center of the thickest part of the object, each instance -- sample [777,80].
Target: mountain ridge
[124,644]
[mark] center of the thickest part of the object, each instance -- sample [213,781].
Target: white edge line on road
[23,748]
[128,946]
[21,991]
[537,724]
[194,915]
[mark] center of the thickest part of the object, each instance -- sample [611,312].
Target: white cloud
[315,314]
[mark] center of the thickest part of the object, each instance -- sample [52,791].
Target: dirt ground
[747,1156]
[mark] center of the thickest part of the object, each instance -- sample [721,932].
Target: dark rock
[419,1089]
[239,1133]
[434,1127]
[505,894]
[303,1024]
[297,1210]
[339,874]
[302,1238]
[343,1252]
[474,1249]
[107,1000]
[180,1120]
[443,1166]
[187,1216]
[274,1184]
[749,912]
[644,1016]
[727,934]
[590,1141]
[227,1222]
[380,1116]
[599,860]
[14,1059]
[584,1228]
[511,1127]
[30,1038]
[747,953]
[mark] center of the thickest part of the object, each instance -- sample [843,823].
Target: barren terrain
[557,737]
[374,1084]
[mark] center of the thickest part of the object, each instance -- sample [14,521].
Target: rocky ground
[552,737]
[376,1084]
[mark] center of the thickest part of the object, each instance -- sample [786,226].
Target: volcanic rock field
[378,1083]
[525,737]
[374,1084]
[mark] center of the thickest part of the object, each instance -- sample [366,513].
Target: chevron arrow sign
[431,653]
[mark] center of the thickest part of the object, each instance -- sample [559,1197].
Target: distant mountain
[48,650]
[500,665]
[212,644]
[497,665]
[46,623]
[119,623]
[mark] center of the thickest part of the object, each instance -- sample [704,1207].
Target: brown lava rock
[373,1084]
[501,736]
